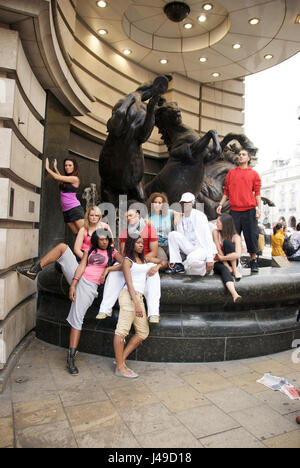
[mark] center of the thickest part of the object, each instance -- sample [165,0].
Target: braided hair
[94,244]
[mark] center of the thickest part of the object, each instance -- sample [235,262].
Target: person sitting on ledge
[295,241]
[136,227]
[193,238]
[132,309]
[229,247]
[164,221]
[84,280]
[277,241]
[92,222]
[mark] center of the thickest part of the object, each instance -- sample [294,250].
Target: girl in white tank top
[132,309]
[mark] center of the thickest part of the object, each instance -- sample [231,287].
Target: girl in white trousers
[114,284]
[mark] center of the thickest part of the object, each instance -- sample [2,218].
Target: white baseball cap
[187,197]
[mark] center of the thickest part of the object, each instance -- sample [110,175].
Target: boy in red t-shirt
[242,189]
[146,231]
[136,226]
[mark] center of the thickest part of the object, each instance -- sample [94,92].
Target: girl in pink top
[68,186]
[92,221]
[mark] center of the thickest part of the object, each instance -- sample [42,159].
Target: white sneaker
[154,319]
[102,315]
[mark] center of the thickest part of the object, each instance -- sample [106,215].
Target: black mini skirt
[74,214]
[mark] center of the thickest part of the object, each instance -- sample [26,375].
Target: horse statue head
[168,120]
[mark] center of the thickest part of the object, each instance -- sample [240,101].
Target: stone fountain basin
[199,322]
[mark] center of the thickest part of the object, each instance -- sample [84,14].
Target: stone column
[22,109]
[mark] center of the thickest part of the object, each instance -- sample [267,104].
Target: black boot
[30,272]
[71,361]
[254,266]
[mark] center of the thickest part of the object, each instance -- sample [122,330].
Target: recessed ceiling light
[216,74]
[163,61]
[236,46]
[207,6]
[202,18]
[102,32]
[102,4]
[203,59]
[254,21]
[268,56]
[127,51]
[188,26]
[297,21]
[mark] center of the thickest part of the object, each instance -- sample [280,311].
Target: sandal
[238,275]
[132,374]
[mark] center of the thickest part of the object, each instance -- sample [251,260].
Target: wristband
[75,278]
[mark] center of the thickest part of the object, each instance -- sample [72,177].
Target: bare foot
[237,299]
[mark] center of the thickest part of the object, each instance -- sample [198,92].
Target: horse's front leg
[148,125]
[200,145]
[216,147]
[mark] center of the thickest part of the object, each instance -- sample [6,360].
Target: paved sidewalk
[168,406]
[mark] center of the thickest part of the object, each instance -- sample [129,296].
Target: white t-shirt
[189,230]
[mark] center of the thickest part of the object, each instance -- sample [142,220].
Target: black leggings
[220,268]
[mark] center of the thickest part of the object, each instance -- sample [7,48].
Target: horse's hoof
[160,85]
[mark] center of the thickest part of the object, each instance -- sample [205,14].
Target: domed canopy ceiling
[217,43]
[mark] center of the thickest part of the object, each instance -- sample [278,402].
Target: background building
[281,184]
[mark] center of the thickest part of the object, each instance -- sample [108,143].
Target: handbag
[288,247]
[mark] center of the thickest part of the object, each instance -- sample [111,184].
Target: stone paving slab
[201,405]
[235,438]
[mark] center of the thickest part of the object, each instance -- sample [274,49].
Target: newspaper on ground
[280,384]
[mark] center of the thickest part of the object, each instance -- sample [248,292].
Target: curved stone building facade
[59,81]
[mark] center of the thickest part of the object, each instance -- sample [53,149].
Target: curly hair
[165,206]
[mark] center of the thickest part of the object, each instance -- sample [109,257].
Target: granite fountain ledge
[199,322]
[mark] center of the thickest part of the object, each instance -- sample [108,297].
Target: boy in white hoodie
[193,238]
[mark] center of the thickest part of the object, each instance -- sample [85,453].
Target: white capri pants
[86,292]
[114,284]
[196,259]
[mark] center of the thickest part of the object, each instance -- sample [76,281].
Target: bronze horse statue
[188,152]
[121,163]
[194,164]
